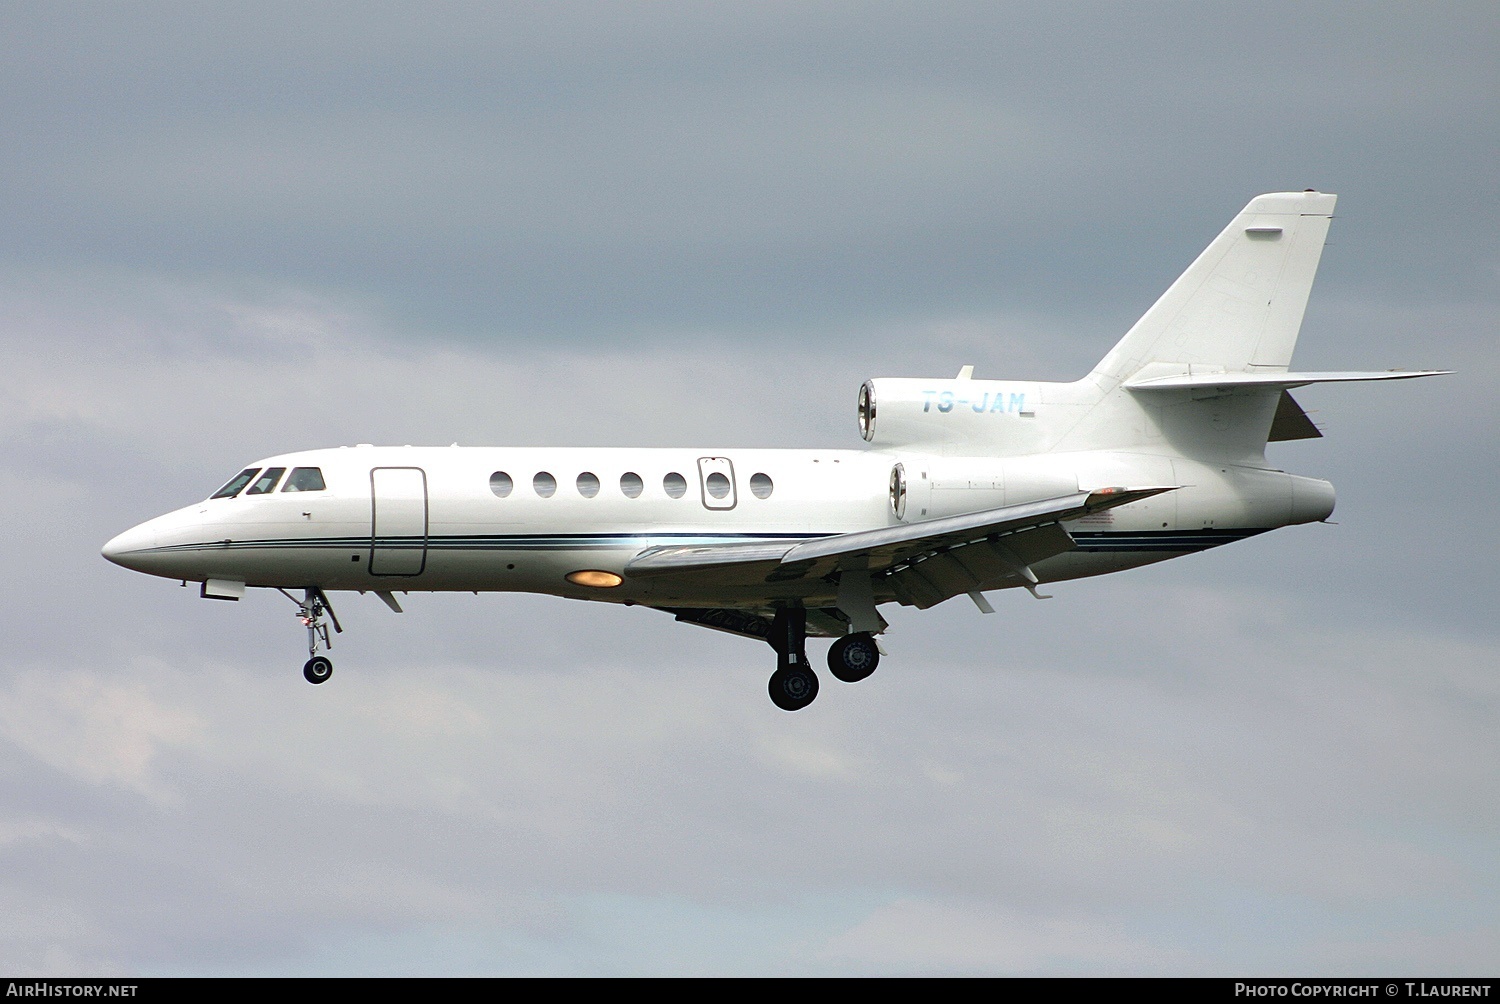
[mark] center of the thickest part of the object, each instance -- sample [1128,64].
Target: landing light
[595,578]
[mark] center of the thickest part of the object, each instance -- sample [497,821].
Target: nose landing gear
[317,669]
[310,611]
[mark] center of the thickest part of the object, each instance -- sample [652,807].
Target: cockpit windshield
[237,482]
[267,481]
[305,479]
[302,479]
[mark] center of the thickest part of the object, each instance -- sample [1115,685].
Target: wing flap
[986,564]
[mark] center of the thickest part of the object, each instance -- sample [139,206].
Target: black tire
[317,669]
[853,657]
[793,687]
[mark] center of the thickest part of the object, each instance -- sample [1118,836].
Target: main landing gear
[853,657]
[310,610]
[794,685]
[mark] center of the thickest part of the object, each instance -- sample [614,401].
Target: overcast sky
[230,231]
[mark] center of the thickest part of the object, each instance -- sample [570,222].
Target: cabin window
[588,485]
[631,485]
[237,482]
[305,479]
[501,484]
[675,485]
[761,486]
[717,485]
[267,481]
[544,484]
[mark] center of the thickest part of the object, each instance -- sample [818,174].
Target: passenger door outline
[398,521]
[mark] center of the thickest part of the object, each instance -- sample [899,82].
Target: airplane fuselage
[522,520]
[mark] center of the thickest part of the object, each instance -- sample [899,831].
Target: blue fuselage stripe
[1087,541]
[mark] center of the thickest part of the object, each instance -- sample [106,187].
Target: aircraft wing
[918,559]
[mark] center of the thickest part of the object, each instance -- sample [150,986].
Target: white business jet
[966,486]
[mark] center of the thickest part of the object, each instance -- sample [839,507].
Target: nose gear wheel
[310,610]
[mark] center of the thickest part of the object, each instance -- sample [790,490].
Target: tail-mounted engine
[991,416]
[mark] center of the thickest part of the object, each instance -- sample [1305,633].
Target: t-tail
[1239,307]
[1204,373]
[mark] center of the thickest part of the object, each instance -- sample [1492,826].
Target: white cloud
[99,730]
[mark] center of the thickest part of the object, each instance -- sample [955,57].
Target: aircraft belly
[257,554]
[1100,552]
[1083,564]
[539,570]
[452,565]
[810,594]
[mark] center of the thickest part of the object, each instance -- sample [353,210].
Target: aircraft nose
[128,549]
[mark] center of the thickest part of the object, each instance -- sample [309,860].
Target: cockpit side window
[237,482]
[267,481]
[305,479]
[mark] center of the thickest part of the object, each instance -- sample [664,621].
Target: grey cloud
[226,235]
[501,170]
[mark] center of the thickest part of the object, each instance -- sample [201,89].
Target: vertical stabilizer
[1238,308]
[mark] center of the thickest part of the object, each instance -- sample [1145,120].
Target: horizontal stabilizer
[1284,381]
